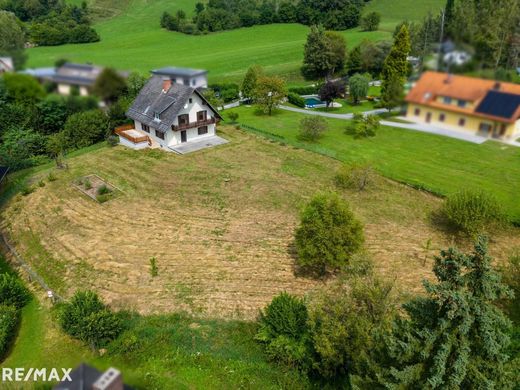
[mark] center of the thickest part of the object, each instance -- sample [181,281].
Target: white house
[196,78]
[168,114]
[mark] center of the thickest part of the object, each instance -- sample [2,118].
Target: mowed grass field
[133,40]
[439,164]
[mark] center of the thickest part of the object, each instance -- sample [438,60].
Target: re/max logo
[35,374]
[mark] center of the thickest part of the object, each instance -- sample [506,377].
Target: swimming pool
[313,101]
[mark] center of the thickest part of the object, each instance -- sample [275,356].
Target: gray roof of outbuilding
[152,99]
[174,71]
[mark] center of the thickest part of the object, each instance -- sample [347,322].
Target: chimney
[497,86]
[111,379]
[166,84]
[448,79]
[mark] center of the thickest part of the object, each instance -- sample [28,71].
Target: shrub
[154,270]
[363,126]
[472,212]
[9,318]
[52,177]
[86,128]
[308,90]
[12,291]
[86,318]
[296,99]
[233,117]
[103,190]
[356,177]
[103,198]
[113,140]
[283,330]
[87,184]
[26,190]
[312,128]
[328,235]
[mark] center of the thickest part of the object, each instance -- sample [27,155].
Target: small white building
[168,114]
[195,78]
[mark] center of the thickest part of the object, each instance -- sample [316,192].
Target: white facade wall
[200,81]
[141,145]
[64,89]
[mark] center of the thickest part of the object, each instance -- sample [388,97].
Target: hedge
[9,318]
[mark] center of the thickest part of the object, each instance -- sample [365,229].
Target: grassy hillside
[133,40]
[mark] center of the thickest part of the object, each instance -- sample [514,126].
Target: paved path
[424,128]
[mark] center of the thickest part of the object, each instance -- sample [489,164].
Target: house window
[417,112]
[461,103]
[174,80]
[159,134]
[145,127]
[442,117]
[187,82]
[184,119]
[446,100]
[202,115]
[202,130]
[484,127]
[462,122]
[191,100]
[157,116]
[194,82]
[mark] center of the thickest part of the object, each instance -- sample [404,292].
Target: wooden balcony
[192,125]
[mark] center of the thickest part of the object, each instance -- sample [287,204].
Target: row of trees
[51,22]
[353,334]
[219,15]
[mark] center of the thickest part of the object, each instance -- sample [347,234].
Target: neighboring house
[195,78]
[457,57]
[168,114]
[6,64]
[85,377]
[486,107]
[70,76]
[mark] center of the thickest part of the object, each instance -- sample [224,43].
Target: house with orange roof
[485,107]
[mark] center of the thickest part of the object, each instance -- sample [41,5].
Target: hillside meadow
[131,39]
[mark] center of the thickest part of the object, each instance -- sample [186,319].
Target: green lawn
[347,107]
[395,11]
[440,164]
[132,39]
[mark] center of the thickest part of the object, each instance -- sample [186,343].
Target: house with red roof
[485,107]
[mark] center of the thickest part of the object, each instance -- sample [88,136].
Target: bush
[312,128]
[472,212]
[233,117]
[283,330]
[9,318]
[12,291]
[356,177]
[363,126]
[328,235]
[103,190]
[113,140]
[296,99]
[86,128]
[86,318]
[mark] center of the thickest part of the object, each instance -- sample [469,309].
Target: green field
[440,164]
[132,39]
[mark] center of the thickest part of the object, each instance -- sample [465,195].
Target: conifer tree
[316,57]
[456,337]
[395,69]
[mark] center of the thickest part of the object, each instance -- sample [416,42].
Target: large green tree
[395,69]
[269,92]
[12,38]
[455,337]
[324,53]
[250,81]
[109,85]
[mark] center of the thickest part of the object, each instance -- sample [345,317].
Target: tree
[370,22]
[269,92]
[284,332]
[22,148]
[12,291]
[395,69]
[86,318]
[135,83]
[456,336]
[109,85]
[337,49]
[23,88]
[312,128]
[328,234]
[56,147]
[357,87]
[331,90]
[250,80]
[317,61]
[354,60]
[52,114]
[12,38]
[86,128]
[363,126]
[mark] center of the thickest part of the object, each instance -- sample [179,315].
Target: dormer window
[446,100]
[156,116]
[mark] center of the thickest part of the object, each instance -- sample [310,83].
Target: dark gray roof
[73,80]
[152,99]
[499,104]
[182,72]
[86,67]
[83,377]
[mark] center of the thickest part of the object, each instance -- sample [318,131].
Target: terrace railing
[191,125]
[121,131]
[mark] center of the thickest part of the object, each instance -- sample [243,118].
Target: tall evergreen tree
[395,69]
[317,62]
[456,337]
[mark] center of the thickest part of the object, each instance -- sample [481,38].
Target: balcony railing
[191,125]
[122,131]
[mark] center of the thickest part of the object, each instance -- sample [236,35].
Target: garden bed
[96,188]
